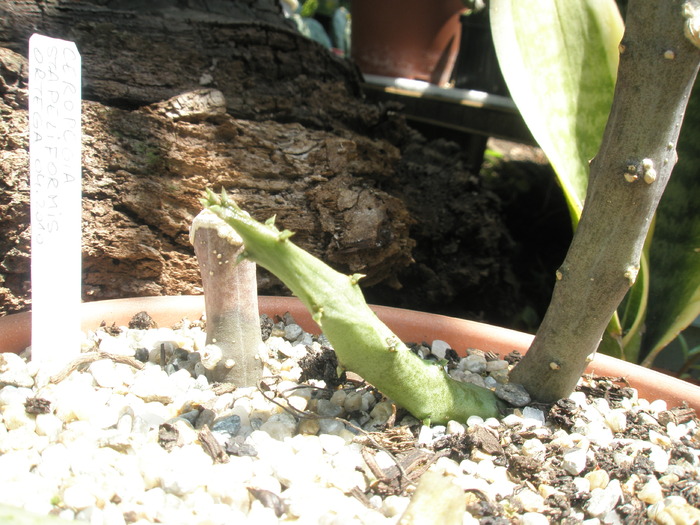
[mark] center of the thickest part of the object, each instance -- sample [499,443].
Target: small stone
[439,348]
[474,378]
[616,420]
[382,411]
[513,393]
[659,439]
[15,416]
[579,398]
[673,510]
[14,372]
[79,496]
[309,427]
[474,420]
[574,460]
[48,425]
[581,484]
[454,427]
[534,518]
[598,479]
[658,405]
[338,398]
[474,363]
[534,447]
[659,458]
[279,426]
[228,425]
[353,402]
[153,384]
[292,332]
[394,505]
[500,376]
[331,444]
[602,501]
[105,374]
[528,500]
[206,417]
[651,491]
[425,435]
[327,409]
[490,382]
[11,395]
[534,414]
[496,365]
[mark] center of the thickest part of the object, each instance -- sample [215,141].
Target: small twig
[91,358]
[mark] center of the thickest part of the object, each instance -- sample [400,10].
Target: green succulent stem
[363,344]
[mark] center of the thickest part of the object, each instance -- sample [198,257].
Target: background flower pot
[409,325]
[416,39]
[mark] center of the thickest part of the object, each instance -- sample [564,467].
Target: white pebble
[14,371]
[535,414]
[425,435]
[394,505]
[579,398]
[598,479]
[658,405]
[651,491]
[15,416]
[574,460]
[603,501]
[474,421]
[439,348]
[533,447]
[12,395]
[48,425]
[673,510]
[454,427]
[153,384]
[528,500]
[79,495]
[659,458]
[534,518]
[616,420]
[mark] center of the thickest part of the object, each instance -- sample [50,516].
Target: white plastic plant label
[55,196]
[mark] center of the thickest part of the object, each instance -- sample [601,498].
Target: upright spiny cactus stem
[231,301]
[361,341]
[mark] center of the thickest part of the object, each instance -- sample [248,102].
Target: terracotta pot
[416,39]
[408,325]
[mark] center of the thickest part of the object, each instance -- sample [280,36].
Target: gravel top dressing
[133,432]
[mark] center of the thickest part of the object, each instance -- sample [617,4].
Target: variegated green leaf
[559,59]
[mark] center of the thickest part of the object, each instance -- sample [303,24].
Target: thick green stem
[231,301]
[658,66]
[361,341]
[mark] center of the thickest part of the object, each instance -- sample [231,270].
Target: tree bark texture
[658,66]
[181,96]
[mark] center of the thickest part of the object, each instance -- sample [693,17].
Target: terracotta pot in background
[416,39]
[410,326]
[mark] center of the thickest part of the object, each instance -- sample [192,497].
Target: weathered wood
[289,135]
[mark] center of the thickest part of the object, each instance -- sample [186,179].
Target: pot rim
[409,325]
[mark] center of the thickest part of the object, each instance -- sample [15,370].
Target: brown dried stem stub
[231,300]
